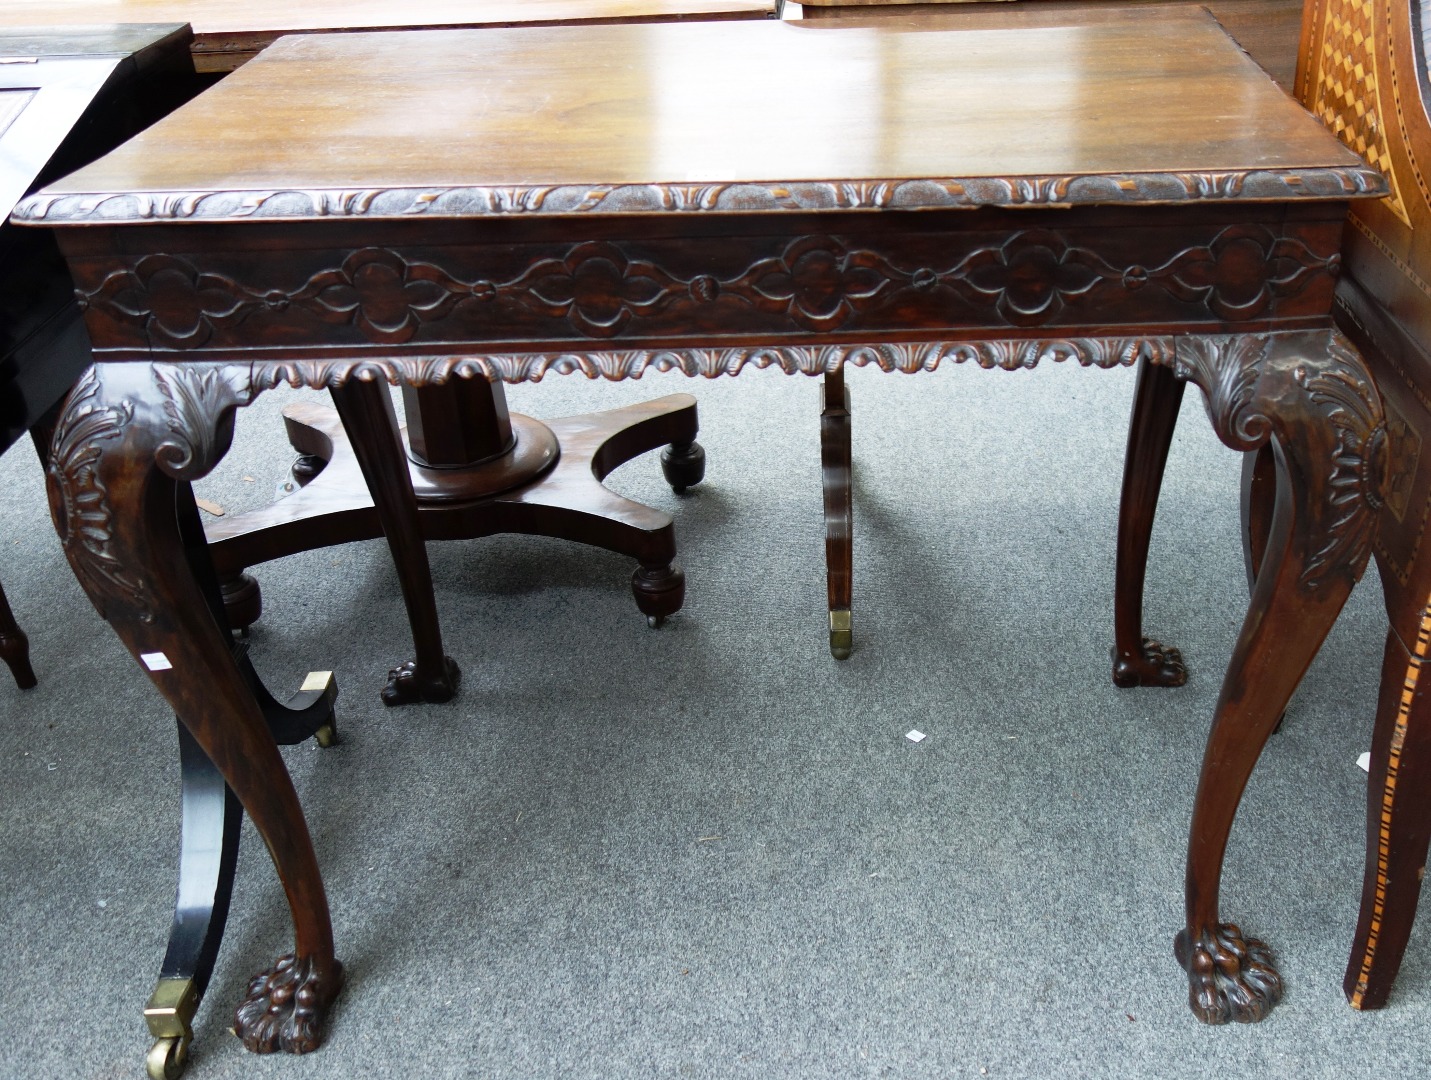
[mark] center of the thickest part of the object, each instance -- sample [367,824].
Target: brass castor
[842,639]
[327,735]
[168,1058]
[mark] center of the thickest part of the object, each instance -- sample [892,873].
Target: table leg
[837,474]
[367,411]
[208,853]
[1139,660]
[1259,494]
[130,440]
[15,647]
[1308,396]
[1398,821]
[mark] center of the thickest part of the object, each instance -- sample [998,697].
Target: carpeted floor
[709,850]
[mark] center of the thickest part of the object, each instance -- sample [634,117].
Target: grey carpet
[709,850]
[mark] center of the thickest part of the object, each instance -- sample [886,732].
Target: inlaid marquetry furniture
[622,198]
[229,32]
[1363,70]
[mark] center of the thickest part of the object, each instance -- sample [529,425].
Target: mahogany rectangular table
[352,210]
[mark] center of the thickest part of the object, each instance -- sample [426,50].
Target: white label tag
[915,736]
[1364,762]
[156,661]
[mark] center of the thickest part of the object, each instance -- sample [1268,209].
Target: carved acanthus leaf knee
[1311,394]
[112,437]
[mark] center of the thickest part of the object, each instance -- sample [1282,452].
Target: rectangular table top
[229,32]
[759,115]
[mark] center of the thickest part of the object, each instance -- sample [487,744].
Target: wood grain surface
[687,104]
[1267,29]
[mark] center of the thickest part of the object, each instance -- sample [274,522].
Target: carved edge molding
[1009,355]
[761,197]
[1245,379]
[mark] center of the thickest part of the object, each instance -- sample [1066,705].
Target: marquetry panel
[1346,96]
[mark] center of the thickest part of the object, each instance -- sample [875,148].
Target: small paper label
[156,661]
[915,736]
[1364,762]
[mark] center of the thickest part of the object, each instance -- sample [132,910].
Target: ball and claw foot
[683,466]
[405,686]
[1230,978]
[1154,666]
[659,591]
[286,1006]
[168,1058]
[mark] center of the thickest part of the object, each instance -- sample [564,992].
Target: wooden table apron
[1232,294]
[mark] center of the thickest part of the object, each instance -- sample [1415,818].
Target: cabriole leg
[1137,660]
[1308,396]
[132,437]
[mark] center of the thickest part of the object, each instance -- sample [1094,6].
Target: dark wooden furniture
[510,473]
[615,226]
[15,647]
[65,98]
[1266,28]
[1363,70]
[229,32]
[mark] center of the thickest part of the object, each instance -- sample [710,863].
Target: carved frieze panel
[771,286]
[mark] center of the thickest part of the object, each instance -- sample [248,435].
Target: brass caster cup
[842,639]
